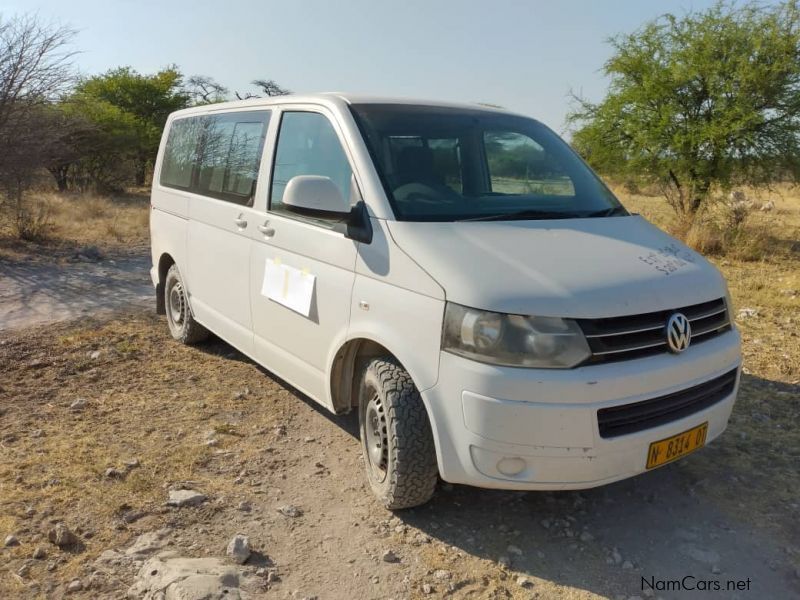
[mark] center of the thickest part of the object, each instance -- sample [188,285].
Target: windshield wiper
[523,214]
[547,214]
[607,212]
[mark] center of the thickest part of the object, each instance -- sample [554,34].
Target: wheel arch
[165,261]
[348,363]
[345,371]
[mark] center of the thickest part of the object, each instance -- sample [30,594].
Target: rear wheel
[181,322]
[396,436]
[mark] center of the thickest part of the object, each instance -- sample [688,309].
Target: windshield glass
[449,164]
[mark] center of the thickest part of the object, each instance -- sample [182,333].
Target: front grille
[622,338]
[630,418]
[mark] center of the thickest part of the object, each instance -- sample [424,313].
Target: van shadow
[218,347]
[690,518]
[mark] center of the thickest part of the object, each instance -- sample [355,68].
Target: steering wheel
[425,193]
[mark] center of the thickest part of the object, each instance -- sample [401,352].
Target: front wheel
[396,436]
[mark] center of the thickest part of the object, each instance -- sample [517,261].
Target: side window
[520,166]
[180,153]
[308,145]
[230,155]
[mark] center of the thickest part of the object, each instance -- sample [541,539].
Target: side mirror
[315,196]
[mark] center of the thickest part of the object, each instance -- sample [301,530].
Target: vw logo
[679,333]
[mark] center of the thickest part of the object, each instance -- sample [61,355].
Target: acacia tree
[149,99]
[710,99]
[205,90]
[268,87]
[103,139]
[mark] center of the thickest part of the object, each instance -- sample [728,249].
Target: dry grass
[74,220]
[740,231]
[132,412]
[98,219]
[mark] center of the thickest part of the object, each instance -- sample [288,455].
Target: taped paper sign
[293,288]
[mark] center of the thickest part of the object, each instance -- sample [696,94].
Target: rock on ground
[61,536]
[148,543]
[185,498]
[172,577]
[290,511]
[239,549]
[390,557]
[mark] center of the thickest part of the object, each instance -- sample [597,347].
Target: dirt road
[208,419]
[35,292]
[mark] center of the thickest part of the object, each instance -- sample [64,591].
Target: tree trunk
[140,173]
[60,173]
[701,190]
[141,168]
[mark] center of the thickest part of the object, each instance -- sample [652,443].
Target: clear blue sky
[525,56]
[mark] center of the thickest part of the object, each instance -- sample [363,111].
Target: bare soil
[64,285]
[208,416]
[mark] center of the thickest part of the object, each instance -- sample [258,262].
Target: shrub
[31,218]
[718,237]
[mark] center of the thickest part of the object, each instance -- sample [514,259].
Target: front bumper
[482,415]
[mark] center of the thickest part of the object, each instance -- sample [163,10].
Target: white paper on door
[293,288]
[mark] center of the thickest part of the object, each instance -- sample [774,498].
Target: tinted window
[216,155]
[230,155]
[450,164]
[308,145]
[180,154]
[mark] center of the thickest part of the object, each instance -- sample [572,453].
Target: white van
[457,274]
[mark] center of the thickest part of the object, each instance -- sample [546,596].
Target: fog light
[511,466]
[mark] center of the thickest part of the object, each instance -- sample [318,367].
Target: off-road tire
[183,328]
[410,474]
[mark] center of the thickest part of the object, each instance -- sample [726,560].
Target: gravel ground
[106,419]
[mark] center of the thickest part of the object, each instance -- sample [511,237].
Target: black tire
[180,319]
[396,436]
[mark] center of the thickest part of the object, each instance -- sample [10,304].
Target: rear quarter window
[180,154]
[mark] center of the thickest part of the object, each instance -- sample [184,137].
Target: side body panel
[218,278]
[398,305]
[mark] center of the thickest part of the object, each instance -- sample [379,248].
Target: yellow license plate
[671,448]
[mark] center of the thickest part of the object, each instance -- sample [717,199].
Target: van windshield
[449,164]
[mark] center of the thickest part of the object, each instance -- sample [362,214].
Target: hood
[579,268]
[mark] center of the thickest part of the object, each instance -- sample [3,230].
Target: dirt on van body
[102,418]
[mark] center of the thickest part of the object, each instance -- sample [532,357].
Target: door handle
[266,229]
[240,222]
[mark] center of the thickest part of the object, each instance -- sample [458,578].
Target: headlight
[729,307]
[513,340]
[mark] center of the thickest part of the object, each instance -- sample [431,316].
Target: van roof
[335,98]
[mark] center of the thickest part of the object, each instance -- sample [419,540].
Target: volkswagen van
[454,273]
